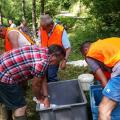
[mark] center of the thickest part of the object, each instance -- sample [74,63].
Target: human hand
[46,102]
[63,64]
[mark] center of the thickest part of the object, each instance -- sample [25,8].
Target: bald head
[46,20]
[3,32]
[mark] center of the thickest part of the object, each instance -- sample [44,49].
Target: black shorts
[12,96]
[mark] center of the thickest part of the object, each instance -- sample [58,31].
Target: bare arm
[67,46]
[68,51]
[13,37]
[63,63]
[46,101]
[102,77]
[40,90]
[37,87]
[45,87]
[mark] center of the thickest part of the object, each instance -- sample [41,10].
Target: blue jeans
[52,73]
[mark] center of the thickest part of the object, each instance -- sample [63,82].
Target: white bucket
[86,80]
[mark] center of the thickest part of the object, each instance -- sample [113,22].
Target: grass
[71,72]
[31,113]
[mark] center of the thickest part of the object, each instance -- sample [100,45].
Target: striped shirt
[23,64]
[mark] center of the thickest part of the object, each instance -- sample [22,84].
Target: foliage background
[90,20]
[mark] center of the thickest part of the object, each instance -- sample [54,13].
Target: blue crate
[95,99]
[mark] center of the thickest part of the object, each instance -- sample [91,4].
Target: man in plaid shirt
[13,38]
[23,64]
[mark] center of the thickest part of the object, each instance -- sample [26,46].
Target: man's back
[15,39]
[22,40]
[106,51]
[22,64]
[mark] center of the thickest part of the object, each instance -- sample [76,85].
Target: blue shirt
[65,40]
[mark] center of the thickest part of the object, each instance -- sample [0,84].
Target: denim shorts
[12,96]
[112,89]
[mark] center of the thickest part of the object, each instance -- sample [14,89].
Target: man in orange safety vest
[104,55]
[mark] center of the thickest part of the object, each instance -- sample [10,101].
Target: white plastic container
[86,80]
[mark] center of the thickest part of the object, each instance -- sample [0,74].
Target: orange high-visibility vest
[55,37]
[8,45]
[106,51]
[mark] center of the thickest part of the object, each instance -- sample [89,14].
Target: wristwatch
[65,59]
[46,96]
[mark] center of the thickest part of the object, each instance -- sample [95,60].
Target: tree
[1,12]
[23,9]
[42,3]
[107,15]
[34,17]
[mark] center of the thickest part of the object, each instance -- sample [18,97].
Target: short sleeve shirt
[95,65]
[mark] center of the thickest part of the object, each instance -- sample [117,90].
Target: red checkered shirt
[23,64]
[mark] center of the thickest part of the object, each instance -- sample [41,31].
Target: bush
[72,72]
[68,22]
[83,30]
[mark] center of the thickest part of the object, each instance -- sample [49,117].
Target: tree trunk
[42,2]
[42,9]
[1,12]
[34,17]
[1,16]
[23,9]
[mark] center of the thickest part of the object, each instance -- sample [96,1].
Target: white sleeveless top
[22,41]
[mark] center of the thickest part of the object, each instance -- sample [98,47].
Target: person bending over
[20,65]
[104,55]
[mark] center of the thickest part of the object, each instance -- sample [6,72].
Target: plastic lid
[86,77]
